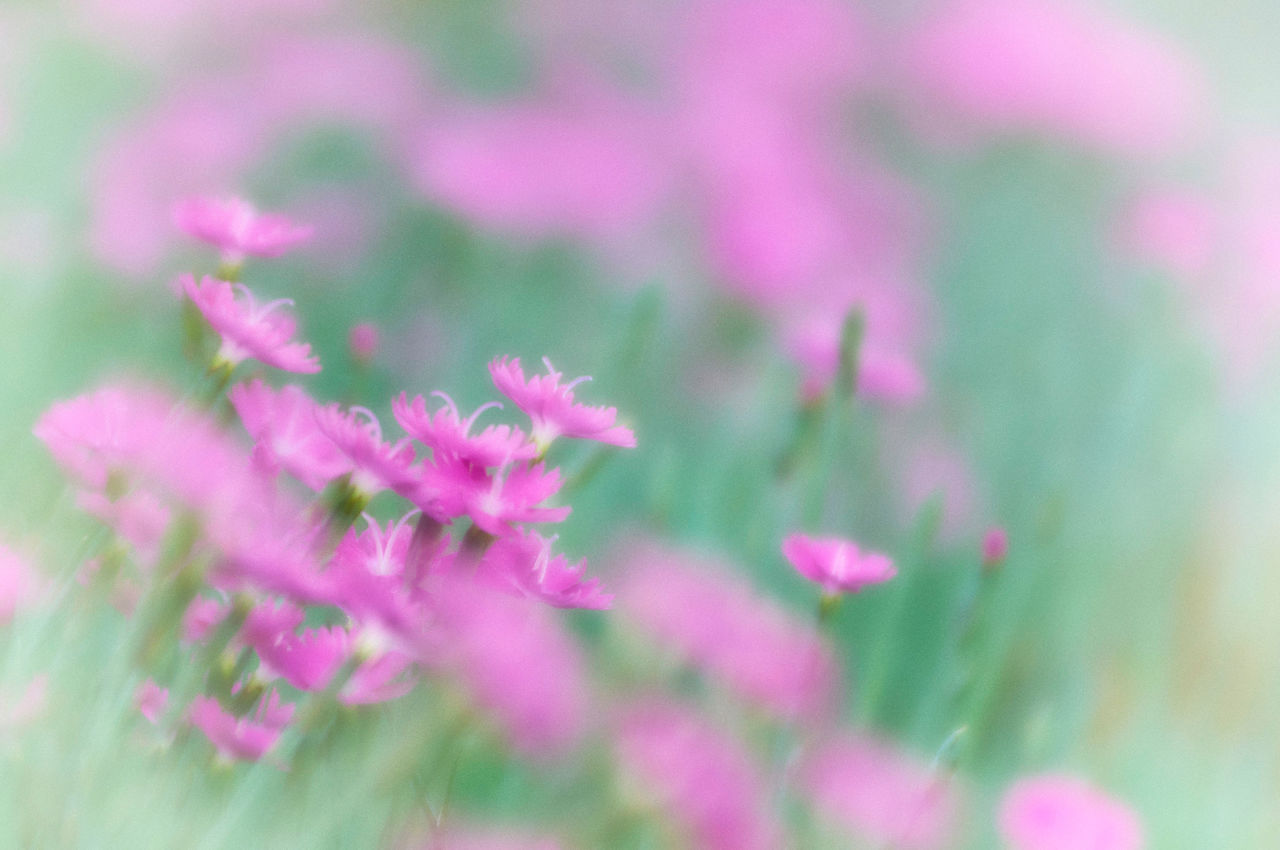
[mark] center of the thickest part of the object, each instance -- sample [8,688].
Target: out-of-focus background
[1060,222]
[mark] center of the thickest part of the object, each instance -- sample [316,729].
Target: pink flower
[759,650]
[523,561]
[378,465]
[696,772]
[879,793]
[241,738]
[368,580]
[839,566]
[995,546]
[152,700]
[518,663]
[248,329]
[283,426]
[551,407]
[385,677]
[446,433]
[234,226]
[18,584]
[307,661]
[1056,812]
[513,494]
[362,341]
[591,167]
[1010,66]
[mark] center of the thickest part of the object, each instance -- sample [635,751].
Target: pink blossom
[362,341]
[1058,812]
[377,465]
[524,561]
[367,578]
[513,494]
[838,565]
[699,774]
[382,678]
[551,407]
[18,584]
[585,164]
[1058,68]
[249,329]
[879,793]
[1176,232]
[241,738]
[308,660]
[286,434]
[152,700]
[886,369]
[237,229]
[995,546]
[446,432]
[760,651]
[139,517]
[518,663]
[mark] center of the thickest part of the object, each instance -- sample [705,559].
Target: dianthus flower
[367,578]
[286,435]
[552,410]
[759,650]
[235,227]
[446,433]
[839,566]
[524,561]
[1056,812]
[241,738]
[248,329]
[493,501]
[880,794]
[377,465]
[697,773]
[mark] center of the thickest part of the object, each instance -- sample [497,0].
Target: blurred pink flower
[362,341]
[698,774]
[286,435]
[1058,68]
[19,583]
[552,409]
[592,169]
[1174,231]
[152,700]
[237,229]
[995,546]
[241,738]
[249,329]
[518,663]
[1058,812]
[837,565]
[880,794]
[760,651]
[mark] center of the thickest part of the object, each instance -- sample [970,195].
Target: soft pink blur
[1055,68]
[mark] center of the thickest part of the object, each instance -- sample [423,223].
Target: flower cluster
[258,554]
